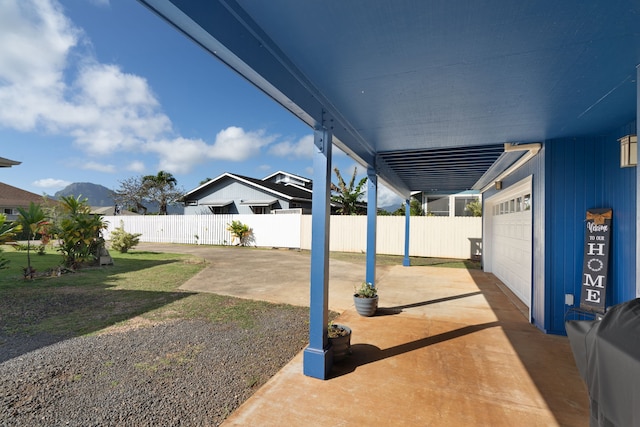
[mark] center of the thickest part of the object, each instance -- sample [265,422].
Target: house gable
[237,194]
[282,177]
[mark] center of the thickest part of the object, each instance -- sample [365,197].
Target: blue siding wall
[584,173]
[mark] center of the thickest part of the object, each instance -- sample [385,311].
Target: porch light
[628,151]
[498,185]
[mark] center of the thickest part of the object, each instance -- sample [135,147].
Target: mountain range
[99,195]
[96,194]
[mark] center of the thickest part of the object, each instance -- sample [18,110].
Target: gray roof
[285,191]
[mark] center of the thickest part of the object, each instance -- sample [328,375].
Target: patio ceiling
[416,88]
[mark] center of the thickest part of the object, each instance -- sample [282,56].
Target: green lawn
[138,284]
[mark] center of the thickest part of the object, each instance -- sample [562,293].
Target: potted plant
[366,299]
[339,340]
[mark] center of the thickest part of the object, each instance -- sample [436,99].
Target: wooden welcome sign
[596,260]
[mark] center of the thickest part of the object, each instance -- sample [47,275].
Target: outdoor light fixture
[498,185]
[628,151]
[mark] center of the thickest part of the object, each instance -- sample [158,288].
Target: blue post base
[406,262]
[317,363]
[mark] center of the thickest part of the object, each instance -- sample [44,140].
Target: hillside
[97,195]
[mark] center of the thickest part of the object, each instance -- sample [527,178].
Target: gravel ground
[179,373]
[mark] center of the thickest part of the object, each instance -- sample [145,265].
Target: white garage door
[509,229]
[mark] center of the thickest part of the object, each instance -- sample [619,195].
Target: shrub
[122,241]
[241,232]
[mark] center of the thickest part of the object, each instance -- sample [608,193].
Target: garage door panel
[511,234]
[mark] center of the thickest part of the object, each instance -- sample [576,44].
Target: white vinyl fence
[443,237]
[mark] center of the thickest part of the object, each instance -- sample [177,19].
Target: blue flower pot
[366,306]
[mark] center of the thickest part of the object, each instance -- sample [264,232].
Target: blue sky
[102,90]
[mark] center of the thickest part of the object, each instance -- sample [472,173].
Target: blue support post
[637,188]
[407,215]
[372,220]
[318,358]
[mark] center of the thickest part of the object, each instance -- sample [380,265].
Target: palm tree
[161,188]
[7,229]
[7,232]
[348,196]
[34,220]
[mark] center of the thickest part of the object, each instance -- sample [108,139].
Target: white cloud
[264,168]
[303,148]
[35,39]
[51,183]
[99,167]
[180,154]
[236,144]
[104,109]
[136,166]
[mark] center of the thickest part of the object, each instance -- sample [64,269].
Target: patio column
[407,220]
[372,221]
[317,357]
[637,188]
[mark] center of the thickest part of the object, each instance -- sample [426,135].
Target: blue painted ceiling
[402,82]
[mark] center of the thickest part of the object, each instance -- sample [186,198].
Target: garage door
[509,228]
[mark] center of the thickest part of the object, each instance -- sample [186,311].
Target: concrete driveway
[448,347]
[274,275]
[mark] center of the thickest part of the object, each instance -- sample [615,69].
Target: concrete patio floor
[448,347]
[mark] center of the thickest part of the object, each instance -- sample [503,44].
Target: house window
[261,210]
[461,205]
[8,211]
[219,210]
[438,205]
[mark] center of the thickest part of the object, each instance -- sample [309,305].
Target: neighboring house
[12,198]
[236,194]
[447,204]
[281,177]
[6,163]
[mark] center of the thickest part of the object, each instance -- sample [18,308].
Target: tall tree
[348,196]
[162,189]
[131,193]
[34,221]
